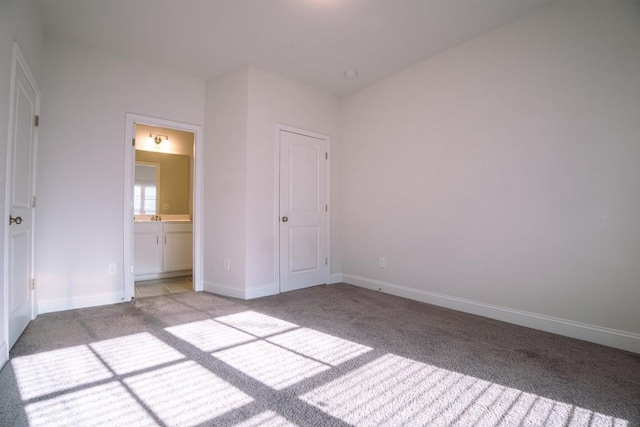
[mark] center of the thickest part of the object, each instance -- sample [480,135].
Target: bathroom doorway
[163,181]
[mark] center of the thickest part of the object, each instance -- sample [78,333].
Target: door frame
[276,216]
[18,60]
[197,196]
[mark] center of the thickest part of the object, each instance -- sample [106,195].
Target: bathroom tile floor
[174,285]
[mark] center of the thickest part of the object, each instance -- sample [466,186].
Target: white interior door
[21,154]
[303,211]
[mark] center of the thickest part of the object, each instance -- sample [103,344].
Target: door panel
[18,272]
[20,291]
[21,182]
[304,249]
[21,187]
[303,213]
[303,179]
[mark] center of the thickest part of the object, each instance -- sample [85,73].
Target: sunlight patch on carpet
[57,370]
[186,394]
[256,324]
[103,405]
[271,365]
[393,390]
[322,347]
[153,381]
[267,418]
[209,335]
[132,353]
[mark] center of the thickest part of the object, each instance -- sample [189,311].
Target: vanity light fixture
[157,138]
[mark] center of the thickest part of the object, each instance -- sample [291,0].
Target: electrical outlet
[382,262]
[112,269]
[227,264]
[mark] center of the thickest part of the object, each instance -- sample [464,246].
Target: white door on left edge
[21,190]
[303,211]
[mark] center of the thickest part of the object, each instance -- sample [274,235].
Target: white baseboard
[52,305]
[4,353]
[263,291]
[335,278]
[252,293]
[226,291]
[610,337]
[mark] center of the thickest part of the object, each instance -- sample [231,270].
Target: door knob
[17,220]
[285,219]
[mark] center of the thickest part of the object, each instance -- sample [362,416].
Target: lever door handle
[17,220]
[285,219]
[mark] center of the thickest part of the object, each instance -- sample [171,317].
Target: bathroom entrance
[163,208]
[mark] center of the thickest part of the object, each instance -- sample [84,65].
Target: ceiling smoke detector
[350,74]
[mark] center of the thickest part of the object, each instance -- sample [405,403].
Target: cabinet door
[178,251]
[147,254]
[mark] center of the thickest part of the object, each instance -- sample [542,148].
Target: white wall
[274,100]
[242,111]
[20,22]
[86,94]
[501,177]
[225,169]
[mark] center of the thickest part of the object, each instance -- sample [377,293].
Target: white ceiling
[311,41]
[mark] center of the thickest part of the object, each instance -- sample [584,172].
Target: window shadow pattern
[252,369]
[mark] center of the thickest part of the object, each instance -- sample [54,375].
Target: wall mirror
[163,172]
[146,189]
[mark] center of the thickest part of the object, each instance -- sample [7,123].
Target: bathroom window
[144,199]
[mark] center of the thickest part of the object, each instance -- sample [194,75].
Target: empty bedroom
[407,212]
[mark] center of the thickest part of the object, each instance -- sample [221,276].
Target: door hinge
[34,201]
[326,156]
[326,261]
[131,269]
[33,284]
[326,208]
[36,120]
[133,142]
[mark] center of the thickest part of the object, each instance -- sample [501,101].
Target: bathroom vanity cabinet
[162,249]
